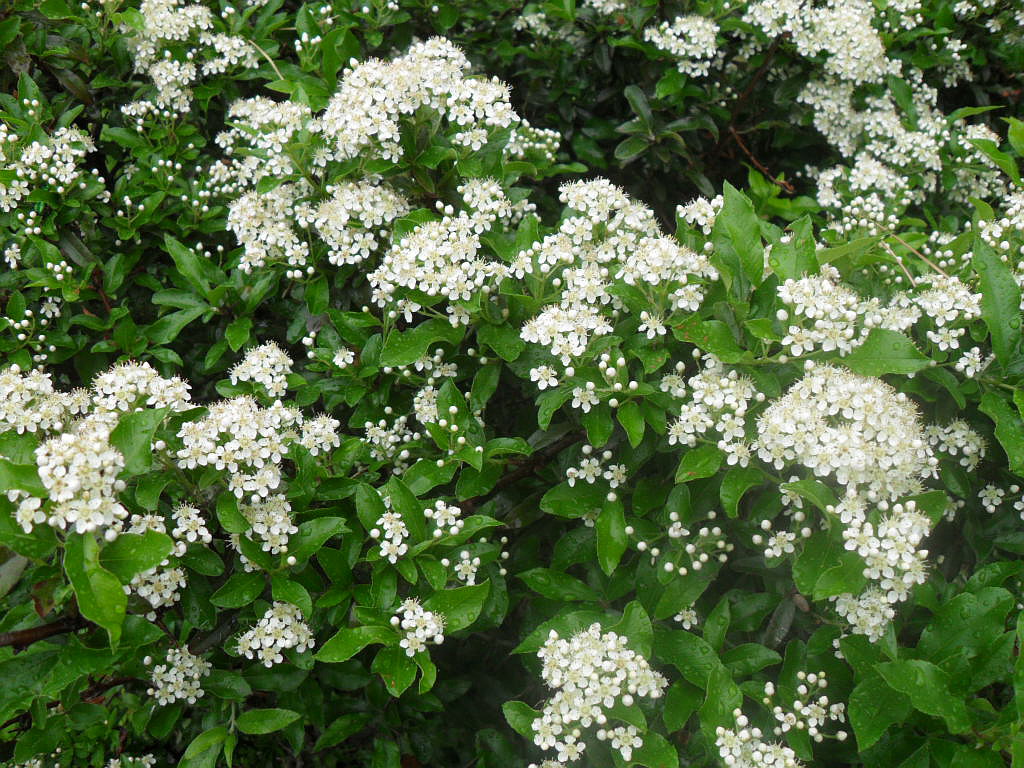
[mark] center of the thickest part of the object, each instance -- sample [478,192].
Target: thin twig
[778,182]
[269,60]
[920,255]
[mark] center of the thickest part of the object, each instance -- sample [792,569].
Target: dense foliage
[489,384]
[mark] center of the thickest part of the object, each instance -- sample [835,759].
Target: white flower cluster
[692,40]
[271,521]
[466,568]
[180,678]
[829,316]
[590,673]
[78,465]
[807,713]
[395,532]
[614,239]
[249,442]
[364,117]
[446,518]
[701,212]
[958,440]
[719,400]
[130,386]
[171,29]
[591,469]
[267,365]
[80,470]
[891,556]
[126,761]
[743,747]
[55,163]
[419,625]
[262,222]
[281,628]
[161,585]
[354,220]
[857,428]
[442,257]
[387,442]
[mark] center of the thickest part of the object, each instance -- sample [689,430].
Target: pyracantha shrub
[376,388]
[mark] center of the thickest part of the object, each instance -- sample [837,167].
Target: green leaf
[681,701]
[237,333]
[406,347]
[695,659]
[340,729]
[557,585]
[132,553]
[748,658]
[635,626]
[795,258]
[22,477]
[101,598]
[632,420]
[638,102]
[573,501]
[1009,429]
[928,689]
[738,481]
[699,462]
[241,589]
[318,296]
[520,716]
[460,605]
[229,516]
[712,336]
[874,706]
[313,534]
[819,494]
[346,643]
[503,339]
[206,740]
[292,592]
[1000,300]
[133,437]
[656,752]
[883,352]
[395,668]
[257,722]
[737,239]
[611,536]
[226,685]
[1005,162]
[717,624]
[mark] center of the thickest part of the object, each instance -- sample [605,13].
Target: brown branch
[757,163]
[526,468]
[23,638]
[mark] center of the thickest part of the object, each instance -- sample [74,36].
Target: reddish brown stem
[23,638]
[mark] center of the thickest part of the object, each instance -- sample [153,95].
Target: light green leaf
[241,589]
[1000,300]
[101,598]
[557,585]
[262,721]
[405,347]
[133,437]
[611,536]
[347,642]
[460,605]
[132,553]
[702,461]
[928,689]
[883,352]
